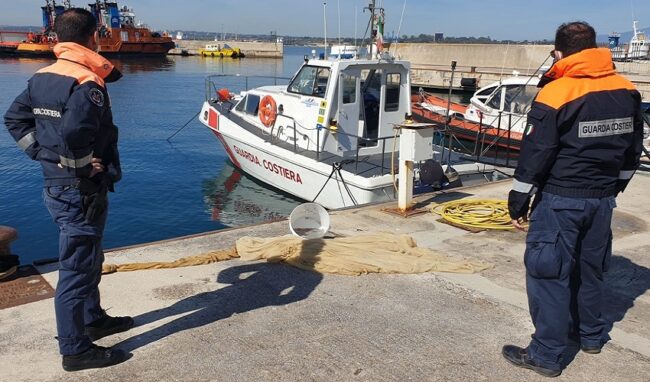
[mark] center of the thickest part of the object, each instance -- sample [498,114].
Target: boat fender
[268,111]
[224,95]
[468,82]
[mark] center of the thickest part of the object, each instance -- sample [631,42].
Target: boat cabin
[342,107]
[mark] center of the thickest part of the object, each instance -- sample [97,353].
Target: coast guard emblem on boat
[96,96]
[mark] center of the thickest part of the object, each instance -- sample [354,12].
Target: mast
[49,9]
[377,26]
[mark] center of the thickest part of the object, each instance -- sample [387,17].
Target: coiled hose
[476,213]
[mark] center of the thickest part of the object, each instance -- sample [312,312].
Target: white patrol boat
[329,134]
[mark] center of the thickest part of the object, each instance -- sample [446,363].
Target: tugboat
[329,135]
[119,34]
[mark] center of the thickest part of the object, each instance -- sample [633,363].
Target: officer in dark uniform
[582,145]
[63,120]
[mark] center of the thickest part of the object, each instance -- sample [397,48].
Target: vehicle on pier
[218,50]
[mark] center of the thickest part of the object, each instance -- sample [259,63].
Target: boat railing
[213,80]
[360,139]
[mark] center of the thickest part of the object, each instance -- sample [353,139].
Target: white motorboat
[328,135]
[496,113]
[637,49]
[344,51]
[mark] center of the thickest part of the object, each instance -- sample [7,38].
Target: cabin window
[484,94]
[349,86]
[124,35]
[249,104]
[137,36]
[310,81]
[495,101]
[393,82]
[519,97]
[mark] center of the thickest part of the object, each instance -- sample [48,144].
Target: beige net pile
[356,255]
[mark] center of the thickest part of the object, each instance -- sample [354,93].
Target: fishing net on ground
[355,255]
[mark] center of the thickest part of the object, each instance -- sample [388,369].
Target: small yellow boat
[217,50]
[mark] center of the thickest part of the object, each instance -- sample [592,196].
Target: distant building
[438,37]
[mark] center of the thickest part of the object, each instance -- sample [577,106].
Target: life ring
[268,111]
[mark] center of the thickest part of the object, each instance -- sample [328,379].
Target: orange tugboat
[119,34]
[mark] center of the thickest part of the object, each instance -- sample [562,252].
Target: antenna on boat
[325,25]
[505,56]
[355,29]
[399,29]
[338,5]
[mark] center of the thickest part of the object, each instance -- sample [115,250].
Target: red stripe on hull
[231,155]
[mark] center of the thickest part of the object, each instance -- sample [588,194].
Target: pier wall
[431,63]
[249,48]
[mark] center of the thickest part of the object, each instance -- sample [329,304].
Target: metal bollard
[7,235]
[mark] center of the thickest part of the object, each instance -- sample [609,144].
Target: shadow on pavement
[252,286]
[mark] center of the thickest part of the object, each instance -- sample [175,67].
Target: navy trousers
[81,255]
[568,248]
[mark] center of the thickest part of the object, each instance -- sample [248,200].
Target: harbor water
[168,189]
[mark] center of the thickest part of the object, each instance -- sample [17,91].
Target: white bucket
[309,221]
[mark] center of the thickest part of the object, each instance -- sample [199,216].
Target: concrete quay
[252,49]
[487,63]
[255,321]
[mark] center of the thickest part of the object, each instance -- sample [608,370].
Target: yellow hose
[476,213]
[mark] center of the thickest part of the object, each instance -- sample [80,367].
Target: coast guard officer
[582,145]
[63,120]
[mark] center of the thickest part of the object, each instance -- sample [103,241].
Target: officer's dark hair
[75,25]
[574,37]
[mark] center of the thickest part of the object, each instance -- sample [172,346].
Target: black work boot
[94,357]
[108,325]
[591,349]
[585,348]
[519,357]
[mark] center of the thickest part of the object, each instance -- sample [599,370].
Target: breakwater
[486,63]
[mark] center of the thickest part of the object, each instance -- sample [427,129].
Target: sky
[498,19]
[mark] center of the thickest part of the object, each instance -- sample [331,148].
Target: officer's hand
[97,167]
[519,224]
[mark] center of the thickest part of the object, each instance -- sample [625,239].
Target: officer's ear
[558,54]
[92,42]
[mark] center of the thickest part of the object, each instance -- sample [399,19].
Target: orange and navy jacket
[584,130]
[63,119]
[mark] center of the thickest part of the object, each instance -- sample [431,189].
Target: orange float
[268,111]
